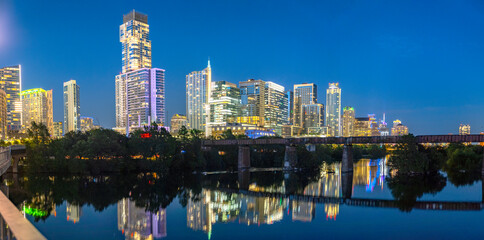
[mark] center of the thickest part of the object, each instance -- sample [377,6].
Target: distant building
[252,131]
[290,107]
[72,107]
[57,130]
[178,121]
[87,123]
[11,83]
[224,104]
[198,87]
[37,107]
[333,109]
[3,114]
[362,127]
[399,129]
[263,104]
[375,131]
[312,118]
[464,129]
[304,94]
[140,89]
[348,121]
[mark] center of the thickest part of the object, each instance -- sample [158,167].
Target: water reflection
[246,198]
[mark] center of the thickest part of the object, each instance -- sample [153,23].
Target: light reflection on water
[274,208]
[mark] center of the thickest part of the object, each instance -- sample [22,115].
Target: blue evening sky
[418,61]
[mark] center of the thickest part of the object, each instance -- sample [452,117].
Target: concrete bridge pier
[347,185]
[347,161]
[244,157]
[244,179]
[290,157]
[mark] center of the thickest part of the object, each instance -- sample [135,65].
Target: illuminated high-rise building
[464,129]
[312,118]
[3,114]
[362,127]
[348,121]
[37,107]
[198,86]
[333,109]
[264,104]
[177,122]
[134,35]
[87,123]
[399,129]
[11,83]
[72,107]
[140,89]
[306,93]
[290,107]
[224,104]
[57,130]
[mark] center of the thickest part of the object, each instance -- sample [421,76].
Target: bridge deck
[352,140]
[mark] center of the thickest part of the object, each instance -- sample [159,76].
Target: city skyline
[385,86]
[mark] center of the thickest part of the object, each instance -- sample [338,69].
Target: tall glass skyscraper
[134,35]
[333,109]
[72,107]
[198,86]
[304,94]
[224,103]
[11,83]
[264,104]
[140,89]
[348,121]
[37,107]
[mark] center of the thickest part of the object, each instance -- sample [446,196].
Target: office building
[37,107]
[224,104]
[362,127]
[290,107]
[305,93]
[312,118]
[57,130]
[198,86]
[333,109]
[87,123]
[72,107]
[140,89]
[11,83]
[264,104]
[399,129]
[464,129]
[348,121]
[177,122]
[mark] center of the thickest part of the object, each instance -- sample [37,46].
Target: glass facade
[305,93]
[37,107]
[348,121]
[140,98]
[198,85]
[11,83]
[313,117]
[224,103]
[72,107]
[134,35]
[333,110]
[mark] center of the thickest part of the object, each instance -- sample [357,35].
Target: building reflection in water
[136,223]
[212,206]
[73,212]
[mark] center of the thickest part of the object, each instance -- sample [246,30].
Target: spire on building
[208,66]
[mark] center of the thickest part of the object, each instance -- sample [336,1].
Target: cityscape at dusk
[241,119]
[406,66]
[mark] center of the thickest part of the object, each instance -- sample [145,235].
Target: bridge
[290,156]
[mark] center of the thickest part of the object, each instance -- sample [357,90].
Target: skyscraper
[198,86]
[312,118]
[306,93]
[333,109]
[348,121]
[134,35]
[3,114]
[399,129]
[11,83]
[264,104]
[224,104]
[72,107]
[140,89]
[37,107]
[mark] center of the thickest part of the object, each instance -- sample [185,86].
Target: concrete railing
[17,224]
[5,159]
